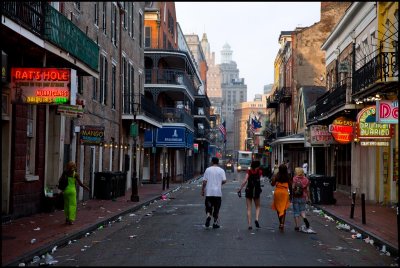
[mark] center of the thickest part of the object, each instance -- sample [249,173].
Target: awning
[295,138]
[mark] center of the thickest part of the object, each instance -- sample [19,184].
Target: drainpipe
[121,13]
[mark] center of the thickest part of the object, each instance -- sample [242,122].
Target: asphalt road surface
[171,232]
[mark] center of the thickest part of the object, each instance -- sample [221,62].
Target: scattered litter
[87,234]
[21,264]
[164,197]
[132,236]
[50,259]
[33,241]
[53,250]
[35,259]
[342,226]
[367,240]
[356,249]
[37,229]
[383,248]
[329,218]
[148,214]
[371,241]
[132,215]
[387,253]
[69,242]
[119,218]
[100,227]
[83,249]
[337,248]
[101,217]
[353,231]
[359,236]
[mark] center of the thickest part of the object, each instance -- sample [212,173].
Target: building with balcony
[299,63]
[172,86]
[363,92]
[38,138]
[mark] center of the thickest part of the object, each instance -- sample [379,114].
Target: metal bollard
[167,177]
[363,208]
[353,202]
[163,182]
[134,195]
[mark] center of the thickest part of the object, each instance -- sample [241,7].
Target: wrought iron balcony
[177,115]
[46,22]
[332,99]
[382,68]
[285,95]
[150,109]
[273,101]
[170,77]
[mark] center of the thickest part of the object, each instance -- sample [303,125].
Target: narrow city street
[171,232]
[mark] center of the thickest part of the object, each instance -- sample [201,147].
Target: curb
[27,257]
[378,242]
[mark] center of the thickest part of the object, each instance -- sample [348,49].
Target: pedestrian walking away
[300,189]
[69,193]
[280,201]
[213,179]
[252,191]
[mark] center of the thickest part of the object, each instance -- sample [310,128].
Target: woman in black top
[253,191]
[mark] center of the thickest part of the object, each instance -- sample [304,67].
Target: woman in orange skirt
[281,202]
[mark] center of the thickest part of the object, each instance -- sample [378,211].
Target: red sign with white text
[342,130]
[41,85]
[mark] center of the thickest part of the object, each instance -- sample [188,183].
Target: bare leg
[257,203]
[248,205]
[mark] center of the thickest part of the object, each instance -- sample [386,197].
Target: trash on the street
[342,226]
[132,236]
[54,249]
[33,241]
[119,218]
[35,259]
[164,197]
[37,229]
[132,215]
[50,259]
[383,248]
[21,264]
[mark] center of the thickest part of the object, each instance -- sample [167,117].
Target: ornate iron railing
[381,68]
[332,99]
[170,77]
[177,115]
[150,109]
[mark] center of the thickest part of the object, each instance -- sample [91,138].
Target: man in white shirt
[213,178]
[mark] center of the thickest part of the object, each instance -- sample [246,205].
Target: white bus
[244,159]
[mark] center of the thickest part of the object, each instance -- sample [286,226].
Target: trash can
[104,185]
[322,188]
[109,184]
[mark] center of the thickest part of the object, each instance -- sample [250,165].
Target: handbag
[63,182]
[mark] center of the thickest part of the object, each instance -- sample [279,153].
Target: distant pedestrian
[300,188]
[213,178]
[253,190]
[280,201]
[289,168]
[69,193]
[305,167]
[275,170]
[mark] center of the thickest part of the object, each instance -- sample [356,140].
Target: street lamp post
[134,134]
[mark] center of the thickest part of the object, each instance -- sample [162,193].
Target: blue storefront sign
[148,138]
[177,137]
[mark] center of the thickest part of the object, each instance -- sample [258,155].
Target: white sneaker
[310,231]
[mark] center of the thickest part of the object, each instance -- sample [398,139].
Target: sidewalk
[381,223]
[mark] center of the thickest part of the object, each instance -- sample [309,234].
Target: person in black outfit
[253,191]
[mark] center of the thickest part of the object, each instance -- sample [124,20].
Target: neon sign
[367,128]
[342,130]
[41,85]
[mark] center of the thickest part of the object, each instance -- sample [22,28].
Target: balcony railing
[47,23]
[332,99]
[150,109]
[30,15]
[273,101]
[177,115]
[382,68]
[285,94]
[170,77]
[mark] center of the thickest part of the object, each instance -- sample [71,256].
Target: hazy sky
[251,29]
